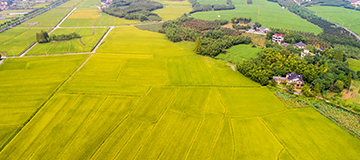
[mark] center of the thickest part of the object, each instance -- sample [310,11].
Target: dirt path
[102,39]
[83,43]
[92,25]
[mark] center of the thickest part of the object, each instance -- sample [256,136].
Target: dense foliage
[249,1]
[197,7]
[243,20]
[332,35]
[290,36]
[134,9]
[214,41]
[324,70]
[43,37]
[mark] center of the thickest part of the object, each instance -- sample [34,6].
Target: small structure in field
[277,38]
[279,79]
[300,45]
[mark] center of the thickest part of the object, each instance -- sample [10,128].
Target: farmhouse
[284,44]
[277,38]
[356,2]
[263,29]
[304,53]
[299,45]
[294,78]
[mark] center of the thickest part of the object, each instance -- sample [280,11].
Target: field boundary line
[128,140]
[208,69]
[42,105]
[27,29]
[157,121]
[195,137]
[264,123]
[221,126]
[233,136]
[83,125]
[32,154]
[278,156]
[187,64]
[97,45]
[102,143]
[99,94]
[121,68]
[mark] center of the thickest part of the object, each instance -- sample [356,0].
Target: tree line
[214,41]
[197,7]
[43,37]
[134,9]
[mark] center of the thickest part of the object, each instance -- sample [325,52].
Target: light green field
[89,3]
[173,9]
[354,64]
[345,17]
[39,5]
[107,20]
[239,53]
[26,84]
[70,4]
[49,18]
[17,40]
[271,16]
[87,38]
[86,17]
[124,103]
[4,20]
[213,1]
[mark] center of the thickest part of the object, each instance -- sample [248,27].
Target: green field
[354,64]
[345,17]
[17,40]
[26,85]
[239,53]
[49,18]
[141,96]
[89,3]
[173,9]
[88,39]
[70,4]
[86,17]
[270,15]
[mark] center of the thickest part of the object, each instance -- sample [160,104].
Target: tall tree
[348,81]
[317,89]
[197,49]
[339,56]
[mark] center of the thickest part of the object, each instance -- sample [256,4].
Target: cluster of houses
[6,4]
[279,38]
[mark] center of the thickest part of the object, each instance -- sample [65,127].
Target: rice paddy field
[269,14]
[142,97]
[48,19]
[88,39]
[16,40]
[87,17]
[345,17]
[239,53]
[173,9]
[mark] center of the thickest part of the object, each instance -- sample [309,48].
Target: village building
[277,38]
[304,53]
[356,2]
[299,45]
[320,49]
[263,29]
[284,44]
[4,2]
[294,78]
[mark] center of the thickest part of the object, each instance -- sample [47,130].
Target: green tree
[338,86]
[197,49]
[339,56]
[348,81]
[273,82]
[317,89]
[264,81]
[290,87]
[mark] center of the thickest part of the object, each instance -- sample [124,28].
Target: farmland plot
[125,103]
[270,15]
[173,9]
[26,84]
[48,19]
[20,42]
[88,39]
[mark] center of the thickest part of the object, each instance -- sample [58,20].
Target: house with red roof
[277,38]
